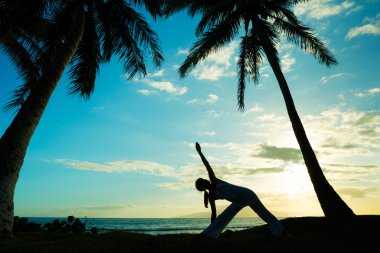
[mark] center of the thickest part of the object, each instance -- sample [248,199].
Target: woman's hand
[198,147]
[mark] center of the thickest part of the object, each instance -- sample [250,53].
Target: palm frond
[213,15]
[118,39]
[134,22]
[242,72]
[62,31]
[105,29]
[20,57]
[140,30]
[302,36]
[85,63]
[125,18]
[254,57]
[249,61]
[193,7]
[18,97]
[154,7]
[211,41]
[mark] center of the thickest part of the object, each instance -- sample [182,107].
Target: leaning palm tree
[262,23]
[83,34]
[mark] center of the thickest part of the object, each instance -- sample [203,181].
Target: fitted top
[234,193]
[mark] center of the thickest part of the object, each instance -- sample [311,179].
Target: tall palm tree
[262,23]
[83,34]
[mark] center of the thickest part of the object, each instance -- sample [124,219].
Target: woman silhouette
[238,196]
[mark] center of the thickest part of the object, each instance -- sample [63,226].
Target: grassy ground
[309,234]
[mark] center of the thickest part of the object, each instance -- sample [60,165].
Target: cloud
[358,192]
[217,64]
[255,109]
[160,85]
[207,133]
[181,51]
[370,92]
[345,132]
[147,92]
[372,28]
[326,79]
[320,9]
[279,153]
[214,113]
[157,73]
[285,47]
[354,9]
[166,86]
[95,208]
[287,61]
[368,29]
[98,108]
[350,169]
[118,166]
[211,99]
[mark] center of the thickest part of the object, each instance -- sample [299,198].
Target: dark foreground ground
[309,234]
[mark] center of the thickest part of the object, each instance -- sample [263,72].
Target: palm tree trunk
[15,141]
[331,203]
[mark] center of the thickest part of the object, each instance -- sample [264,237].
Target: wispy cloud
[167,87]
[255,109]
[211,99]
[370,92]
[98,108]
[345,132]
[85,209]
[158,73]
[181,51]
[147,92]
[358,192]
[207,133]
[287,61]
[158,84]
[371,28]
[214,113]
[279,153]
[118,166]
[217,65]
[368,29]
[320,9]
[326,79]
[163,86]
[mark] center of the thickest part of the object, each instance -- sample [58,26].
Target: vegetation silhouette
[70,225]
[80,34]
[263,22]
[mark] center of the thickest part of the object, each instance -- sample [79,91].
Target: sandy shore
[309,234]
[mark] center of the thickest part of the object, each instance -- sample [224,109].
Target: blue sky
[129,150]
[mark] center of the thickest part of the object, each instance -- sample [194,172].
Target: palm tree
[83,35]
[262,23]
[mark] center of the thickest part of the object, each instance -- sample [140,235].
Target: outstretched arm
[211,174]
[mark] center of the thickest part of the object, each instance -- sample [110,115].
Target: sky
[129,150]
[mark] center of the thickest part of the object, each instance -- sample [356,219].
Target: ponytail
[206,198]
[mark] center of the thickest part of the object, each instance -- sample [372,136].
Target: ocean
[157,226]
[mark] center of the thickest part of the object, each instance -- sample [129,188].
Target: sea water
[155,226]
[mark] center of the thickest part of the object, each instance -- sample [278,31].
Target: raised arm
[211,174]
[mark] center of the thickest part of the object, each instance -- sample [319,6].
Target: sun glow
[296,180]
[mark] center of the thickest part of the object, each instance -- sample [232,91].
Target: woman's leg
[216,228]
[275,226]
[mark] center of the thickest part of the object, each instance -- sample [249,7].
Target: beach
[308,234]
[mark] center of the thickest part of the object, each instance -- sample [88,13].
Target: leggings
[216,227]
